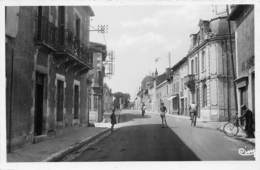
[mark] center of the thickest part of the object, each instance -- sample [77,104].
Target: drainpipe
[228,98]
[9,148]
[232,59]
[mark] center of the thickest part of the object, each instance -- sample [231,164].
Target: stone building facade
[243,16]
[210,78]
[179,96]
[47,59]
[162,92]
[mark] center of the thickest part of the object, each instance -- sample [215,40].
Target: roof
[161,78]
[175,67]
[237,11]
[89,10]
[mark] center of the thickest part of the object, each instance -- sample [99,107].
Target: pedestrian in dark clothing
[143,109]
[193,114]
[247,115]
[113,120]
[163,110]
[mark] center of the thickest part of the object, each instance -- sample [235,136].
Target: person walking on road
[113,120]
[163,110]
[143,109]
[193,114]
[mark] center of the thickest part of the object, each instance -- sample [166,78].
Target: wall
[245,44]
[23,66]
[29,58]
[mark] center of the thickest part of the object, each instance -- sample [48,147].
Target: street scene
[143,139]
[104,83]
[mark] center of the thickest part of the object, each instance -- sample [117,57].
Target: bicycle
[232,128]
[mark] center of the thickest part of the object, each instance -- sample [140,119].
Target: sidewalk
[54,147]
[214,126]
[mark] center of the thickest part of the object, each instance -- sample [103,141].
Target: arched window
[204,102]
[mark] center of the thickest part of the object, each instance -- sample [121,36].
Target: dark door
[76,102]
[60,99]
[253,92]
[39,93]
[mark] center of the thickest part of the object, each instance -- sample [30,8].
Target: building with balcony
[47,61]
[210,78]
[243,16]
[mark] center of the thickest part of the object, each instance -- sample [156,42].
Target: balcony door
[61,24]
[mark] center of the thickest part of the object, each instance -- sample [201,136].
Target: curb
[239,138]
[59,155]
[245,140]
[218,129]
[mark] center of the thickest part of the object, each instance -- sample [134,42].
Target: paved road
[143,139]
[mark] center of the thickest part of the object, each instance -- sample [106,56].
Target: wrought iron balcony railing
[71,45]
[46,33]
[61,40]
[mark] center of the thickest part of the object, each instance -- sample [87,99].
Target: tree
[124,97]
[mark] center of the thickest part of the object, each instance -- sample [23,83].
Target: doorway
[76,102]
[39,99]
[182,106]
[60,99]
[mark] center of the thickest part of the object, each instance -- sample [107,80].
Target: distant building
[108,98]
[210,78]
[162,91]
[99,53]
[146,93]
[179,94]
[243,15]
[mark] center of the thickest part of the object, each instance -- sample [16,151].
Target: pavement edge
[59,155]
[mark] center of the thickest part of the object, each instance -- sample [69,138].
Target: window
[193,97]
[77,27]
[192,66]
[204,102]
[203,60]
[196,65]
[95,102]
[61,24]
[182,85]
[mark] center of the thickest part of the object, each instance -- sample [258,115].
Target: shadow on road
[128,117]
[140,143]
[125,117]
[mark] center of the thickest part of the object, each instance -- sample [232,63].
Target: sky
[140,34]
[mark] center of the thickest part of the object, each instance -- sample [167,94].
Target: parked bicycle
[232,128]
